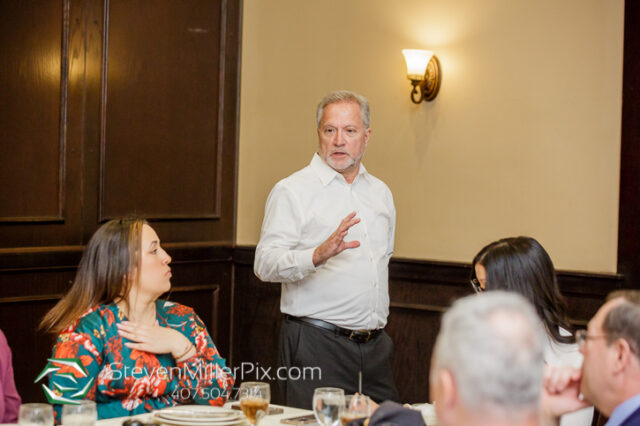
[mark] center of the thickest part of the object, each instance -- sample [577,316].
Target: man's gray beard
[351,162]
[335,167]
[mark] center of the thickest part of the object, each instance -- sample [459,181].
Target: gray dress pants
[311,357]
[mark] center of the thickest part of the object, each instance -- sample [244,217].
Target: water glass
[83,414]
[327,403]
[34,414]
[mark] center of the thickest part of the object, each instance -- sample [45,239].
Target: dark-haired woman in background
[140,353]
[523,266]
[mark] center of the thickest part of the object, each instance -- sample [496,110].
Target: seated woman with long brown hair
[521,265]
[139,353]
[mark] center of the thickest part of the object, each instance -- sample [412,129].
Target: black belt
[358,336]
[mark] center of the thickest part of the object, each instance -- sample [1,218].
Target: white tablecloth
[271,420]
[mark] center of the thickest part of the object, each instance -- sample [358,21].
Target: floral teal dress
[125,381]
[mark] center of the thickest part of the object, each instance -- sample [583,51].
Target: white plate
[238,422]
[197,417]
[241,421]
[198,414]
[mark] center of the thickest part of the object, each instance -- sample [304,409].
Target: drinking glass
[254,400]
[327,403]
[83,414]
[33,414]
[355,407]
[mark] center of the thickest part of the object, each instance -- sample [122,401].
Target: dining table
[268,420]
[427,411]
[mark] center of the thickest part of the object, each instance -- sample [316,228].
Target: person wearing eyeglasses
[610,374]
[522,265]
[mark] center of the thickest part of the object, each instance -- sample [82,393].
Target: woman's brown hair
[522,265]
[104,274]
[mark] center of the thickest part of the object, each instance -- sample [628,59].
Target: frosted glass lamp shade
[417,61]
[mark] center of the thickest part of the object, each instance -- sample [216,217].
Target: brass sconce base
[428,87]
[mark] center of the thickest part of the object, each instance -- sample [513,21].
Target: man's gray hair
[623,321]
[492,344]
[345,96]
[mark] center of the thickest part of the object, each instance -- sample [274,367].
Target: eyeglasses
[582,336]
[476,285]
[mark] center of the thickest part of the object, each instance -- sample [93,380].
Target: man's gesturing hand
[335,244]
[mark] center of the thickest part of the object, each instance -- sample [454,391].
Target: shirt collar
[327,174]
[624,410]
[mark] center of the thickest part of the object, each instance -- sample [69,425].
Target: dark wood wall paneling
[32,103]
[256,322]
[629,212]
[419,292]
[113,108]
[160,111]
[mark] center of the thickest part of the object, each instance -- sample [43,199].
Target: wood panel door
[114,108]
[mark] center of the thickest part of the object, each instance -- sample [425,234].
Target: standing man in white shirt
[327,236]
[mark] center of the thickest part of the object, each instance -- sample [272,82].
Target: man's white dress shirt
[351,289]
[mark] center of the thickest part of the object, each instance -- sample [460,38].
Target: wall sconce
[423,69]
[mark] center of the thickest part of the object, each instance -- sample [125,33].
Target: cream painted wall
[523,139]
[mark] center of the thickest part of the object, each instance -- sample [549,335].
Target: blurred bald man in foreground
[486,367]
[487,363]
